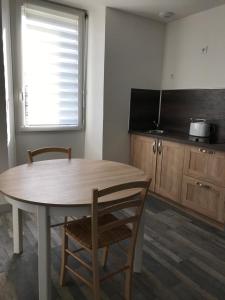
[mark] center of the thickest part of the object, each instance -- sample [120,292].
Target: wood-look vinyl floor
[184,259]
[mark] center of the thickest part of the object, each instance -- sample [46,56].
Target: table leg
[17,230]
[139,245]
[44,248]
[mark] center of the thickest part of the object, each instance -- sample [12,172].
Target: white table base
[17,230]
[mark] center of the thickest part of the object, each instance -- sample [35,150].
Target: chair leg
[128,284]
[105,256]
[96,281]
[64,258]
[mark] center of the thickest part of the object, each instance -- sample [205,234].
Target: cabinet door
[205,164]
[143,155]
[195,162]
[170,160]
[216,168]
[204,198]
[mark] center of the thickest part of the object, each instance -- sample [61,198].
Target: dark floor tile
[184,259]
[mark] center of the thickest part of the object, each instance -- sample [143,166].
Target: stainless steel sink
[155,131]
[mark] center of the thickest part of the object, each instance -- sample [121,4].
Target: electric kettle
[199,127]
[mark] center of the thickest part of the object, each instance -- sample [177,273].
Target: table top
[63,182]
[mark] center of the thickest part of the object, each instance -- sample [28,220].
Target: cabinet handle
[206,151]
[202,150]
[160,147]
[205,186]
[154,145]
[211,152]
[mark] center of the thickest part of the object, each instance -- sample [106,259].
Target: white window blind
[52,67]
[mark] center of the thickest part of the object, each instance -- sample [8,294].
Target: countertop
[182,138]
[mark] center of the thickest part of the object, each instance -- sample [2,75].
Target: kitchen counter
[182,138]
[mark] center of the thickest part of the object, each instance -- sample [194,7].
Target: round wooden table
[61,187]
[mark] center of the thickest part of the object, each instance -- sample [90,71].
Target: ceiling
[152,8]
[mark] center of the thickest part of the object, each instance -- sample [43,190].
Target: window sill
[49,128]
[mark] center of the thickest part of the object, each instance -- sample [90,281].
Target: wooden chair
[39,151]
[103,229]
[44,150]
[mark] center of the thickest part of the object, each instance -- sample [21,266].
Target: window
[52,44]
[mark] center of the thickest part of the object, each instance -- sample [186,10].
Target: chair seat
[80,230]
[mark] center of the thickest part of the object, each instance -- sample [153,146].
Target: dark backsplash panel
[178,106]
[144,108]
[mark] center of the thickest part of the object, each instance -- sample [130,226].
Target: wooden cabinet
[216,168]
[169,171]
[203,188]
[192,177]
[162,161]
[205,164]
[143,155]
[195,163]
[204,198]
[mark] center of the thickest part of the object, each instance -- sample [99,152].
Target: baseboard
[4,208]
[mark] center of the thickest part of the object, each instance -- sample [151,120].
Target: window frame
[16,36]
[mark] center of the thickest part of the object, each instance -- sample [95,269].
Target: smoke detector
[167,15]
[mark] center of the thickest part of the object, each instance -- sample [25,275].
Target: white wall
[32,140]
[185,66]
[133,59]
[95,84]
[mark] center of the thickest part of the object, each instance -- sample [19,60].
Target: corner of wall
[95,84]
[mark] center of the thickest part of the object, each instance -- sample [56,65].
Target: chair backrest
[136,203]
[33,153]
